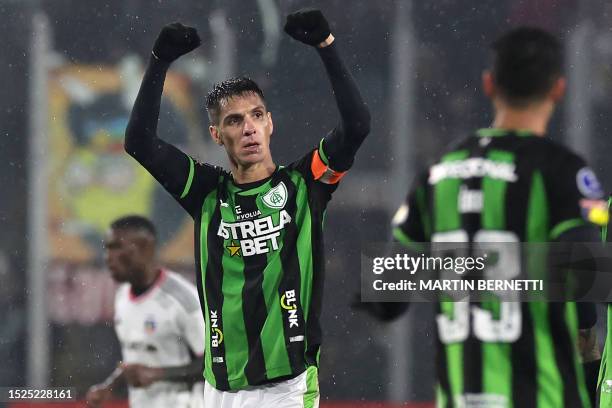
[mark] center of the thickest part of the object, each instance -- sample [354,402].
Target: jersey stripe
[253,312]
[496,357]
[212,281]
[565,345]
[473,359]
[291,281]
[304,244]
[446,194]
[317,209]
[189,178]
[275,351]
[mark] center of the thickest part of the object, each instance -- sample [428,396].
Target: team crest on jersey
[276,198]
[587,182]
[150,325]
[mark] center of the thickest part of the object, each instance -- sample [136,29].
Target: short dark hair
[526,64]
[224,90]
[134,223]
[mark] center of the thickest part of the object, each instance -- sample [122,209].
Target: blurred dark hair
[230,87]
[134,223]
[527,62]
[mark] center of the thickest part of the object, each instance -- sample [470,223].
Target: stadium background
[70,69]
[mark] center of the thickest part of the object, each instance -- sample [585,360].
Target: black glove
[175,40]
[308,26]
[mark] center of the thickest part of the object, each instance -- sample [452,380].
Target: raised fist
[308,26]
[175,40]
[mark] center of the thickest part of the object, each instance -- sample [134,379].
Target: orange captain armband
[322,172]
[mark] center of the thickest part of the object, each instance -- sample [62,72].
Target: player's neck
[534,118]
[253,172]
[145,281]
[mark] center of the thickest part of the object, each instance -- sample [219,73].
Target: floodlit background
[70,71]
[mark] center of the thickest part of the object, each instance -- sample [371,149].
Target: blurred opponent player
[259,226]
[508,183]
[158,322]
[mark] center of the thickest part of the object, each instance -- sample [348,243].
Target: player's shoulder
[302,162]
[183,292]
[122,292]
[211,170]
[552,149]
[122,297]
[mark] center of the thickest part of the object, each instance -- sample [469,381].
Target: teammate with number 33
[508,184]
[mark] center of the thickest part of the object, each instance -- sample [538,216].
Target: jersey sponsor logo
[216,335]
[254,237]
[588,184]
[473,167]
[276,198]
[288,302]
[233,248]
[295,339]
[150,325]
[217,359]
[246,216]
[139,346]
[470,201]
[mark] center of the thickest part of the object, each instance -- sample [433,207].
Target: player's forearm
[189,372]
[141,132]
[114,379]
[342,144]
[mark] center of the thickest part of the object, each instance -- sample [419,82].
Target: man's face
[244,129]
[125,253]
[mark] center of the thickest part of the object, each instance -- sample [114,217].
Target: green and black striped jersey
[604,383]
[260,261]
[503,186]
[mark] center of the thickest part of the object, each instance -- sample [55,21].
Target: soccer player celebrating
[508,183]
[157,320]
[259,226]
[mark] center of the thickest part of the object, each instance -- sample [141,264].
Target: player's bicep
[321,169]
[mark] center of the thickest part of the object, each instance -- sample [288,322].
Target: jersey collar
[498,132]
